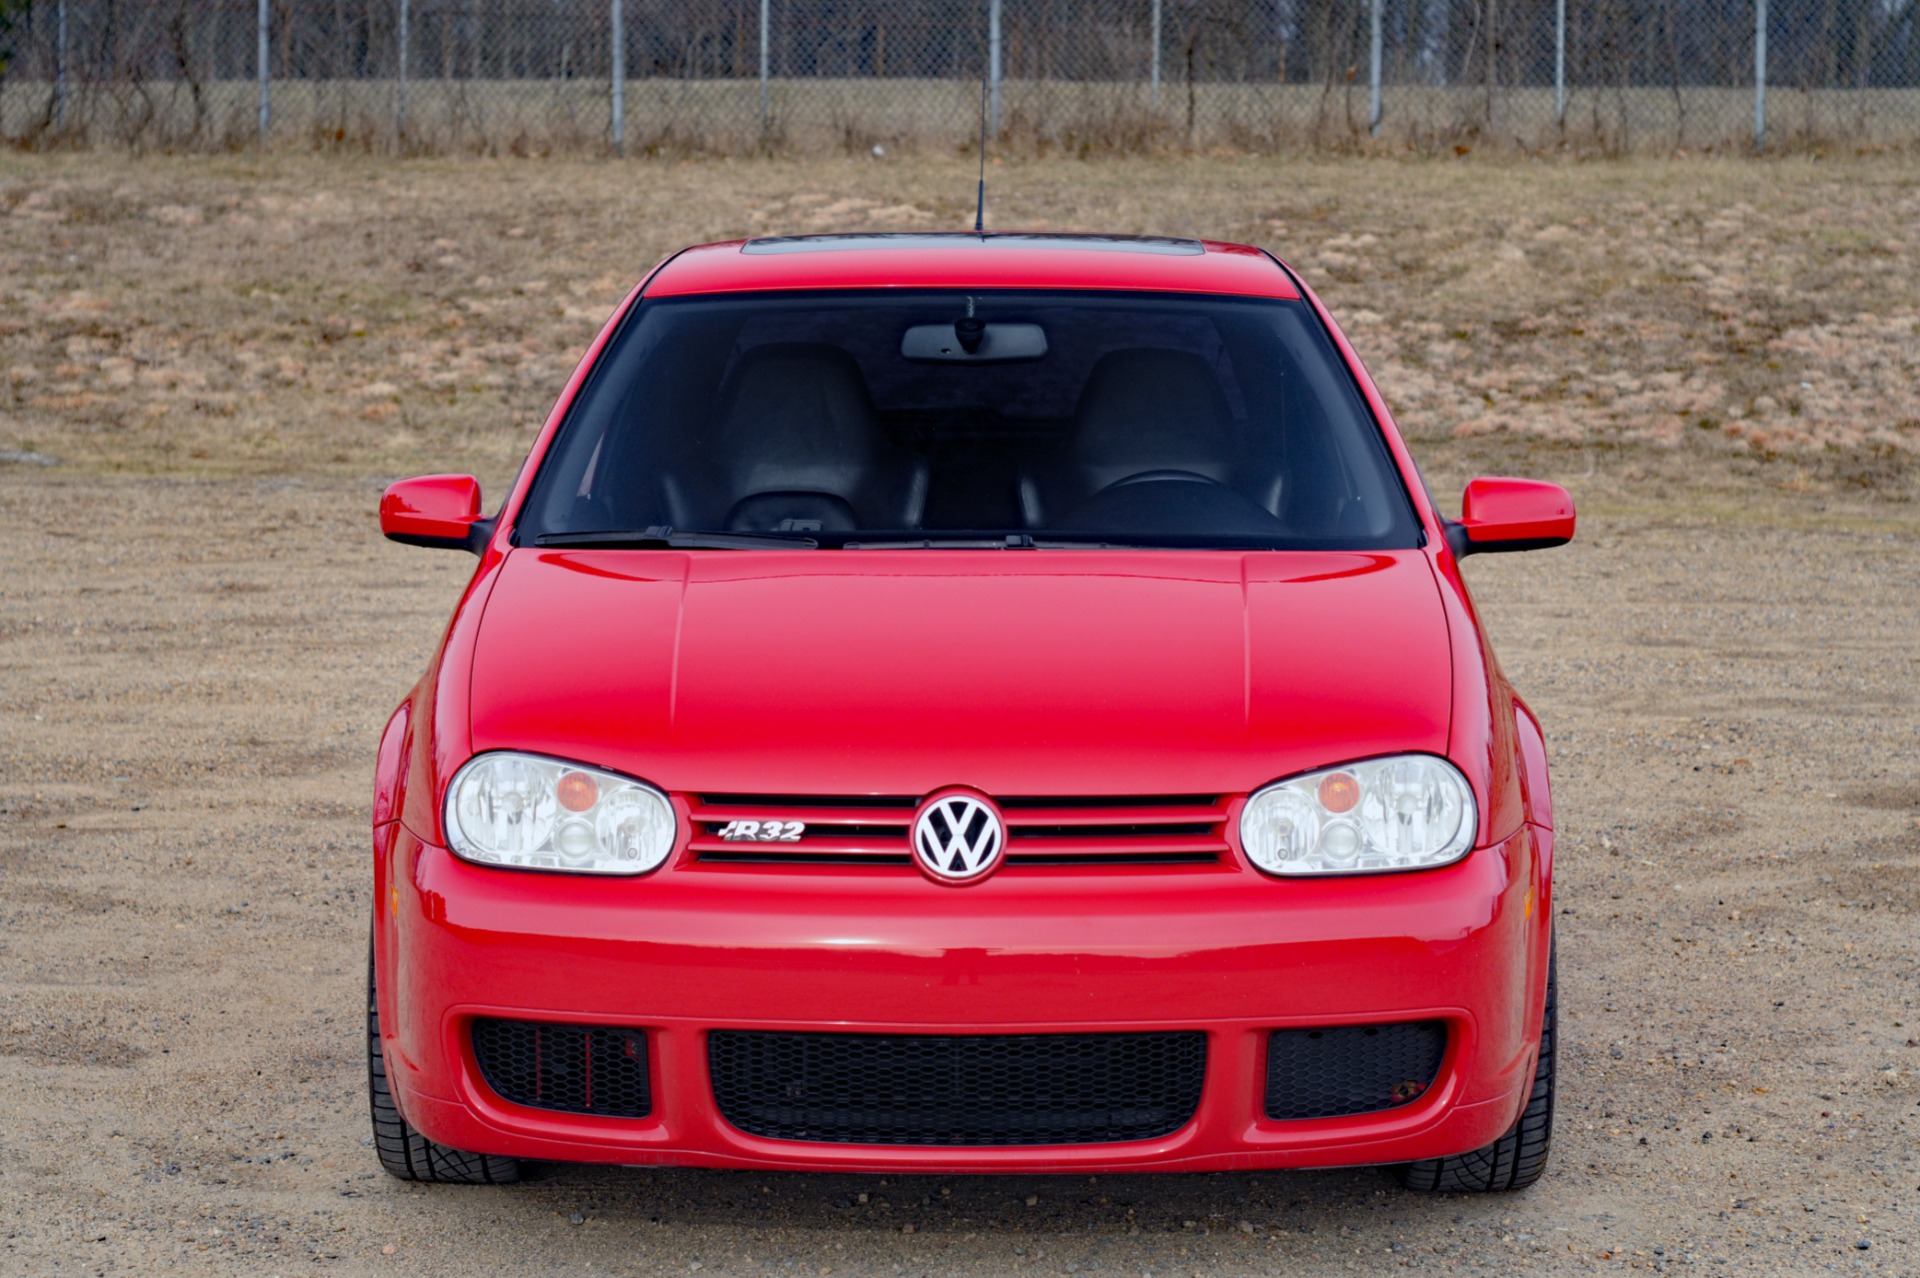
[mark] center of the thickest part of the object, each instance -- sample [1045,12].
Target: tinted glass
[865,418]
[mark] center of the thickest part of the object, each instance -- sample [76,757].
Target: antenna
[980,198]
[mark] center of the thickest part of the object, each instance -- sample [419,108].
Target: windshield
[878,419]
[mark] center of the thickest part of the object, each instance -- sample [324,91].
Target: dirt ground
[201,633]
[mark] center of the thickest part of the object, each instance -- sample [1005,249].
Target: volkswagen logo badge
[958,836]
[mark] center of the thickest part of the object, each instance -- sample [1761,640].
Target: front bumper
[701,947]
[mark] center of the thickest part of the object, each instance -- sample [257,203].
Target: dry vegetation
[290,313]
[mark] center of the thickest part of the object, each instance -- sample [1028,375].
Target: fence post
[1560,63]
[1156,55]
[60,69]
[619,108]
[400,90]
[1759,74]
[766,60]
[1373,74]
[993,65]
[260,62]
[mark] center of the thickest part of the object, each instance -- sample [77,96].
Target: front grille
[582,1069]
[1127,830]
[1015,1089]
[1351,1069]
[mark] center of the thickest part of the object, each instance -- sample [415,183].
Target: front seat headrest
[794,418]
[1143,409]
[1152,409]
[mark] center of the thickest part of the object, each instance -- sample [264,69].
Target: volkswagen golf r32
[966,703]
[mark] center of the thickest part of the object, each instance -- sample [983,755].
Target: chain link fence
[734,76]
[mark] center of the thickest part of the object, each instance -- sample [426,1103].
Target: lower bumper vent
[1351,1069]
[581,1069]
[963,1089]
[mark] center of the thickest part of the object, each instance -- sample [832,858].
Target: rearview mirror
[442,511]
[983,344]
[1511,514]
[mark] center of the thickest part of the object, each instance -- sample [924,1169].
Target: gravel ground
[196,670]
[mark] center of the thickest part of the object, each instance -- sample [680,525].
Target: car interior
[1140,419]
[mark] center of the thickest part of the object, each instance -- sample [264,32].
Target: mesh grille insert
[582,1069]
[1351,1069]
[1013,1089]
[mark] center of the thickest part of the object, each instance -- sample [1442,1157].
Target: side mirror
[1511,514]
[441,511]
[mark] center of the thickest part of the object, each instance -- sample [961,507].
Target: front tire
[403,1151]
[1517,1159]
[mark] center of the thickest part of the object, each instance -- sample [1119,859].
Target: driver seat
[795,444]
[1145,413]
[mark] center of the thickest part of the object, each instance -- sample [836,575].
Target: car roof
[963,259]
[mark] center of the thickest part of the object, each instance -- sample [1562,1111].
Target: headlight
[1404,813]
[521,809]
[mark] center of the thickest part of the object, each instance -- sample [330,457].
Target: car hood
[1018,672]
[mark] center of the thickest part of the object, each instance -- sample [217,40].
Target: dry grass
[674,116]
[355,315]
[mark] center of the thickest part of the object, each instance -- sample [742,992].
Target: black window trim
[639,302]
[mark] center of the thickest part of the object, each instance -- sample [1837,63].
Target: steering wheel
[1162,476]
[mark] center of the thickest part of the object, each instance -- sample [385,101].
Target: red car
[960,703]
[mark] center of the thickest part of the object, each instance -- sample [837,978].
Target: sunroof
[1164,245]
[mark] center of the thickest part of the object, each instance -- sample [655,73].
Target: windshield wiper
[661,536]
[1008,541]
[1095,542]
[959,541]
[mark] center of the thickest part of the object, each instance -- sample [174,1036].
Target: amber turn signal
[1339,792]
[576,791]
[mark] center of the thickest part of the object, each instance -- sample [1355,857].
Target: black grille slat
[1111,831]
[1016,1089]
[578,1069]
[749,854]
[1016,802]
[1351,1069]
[783,801]
[1130,858]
